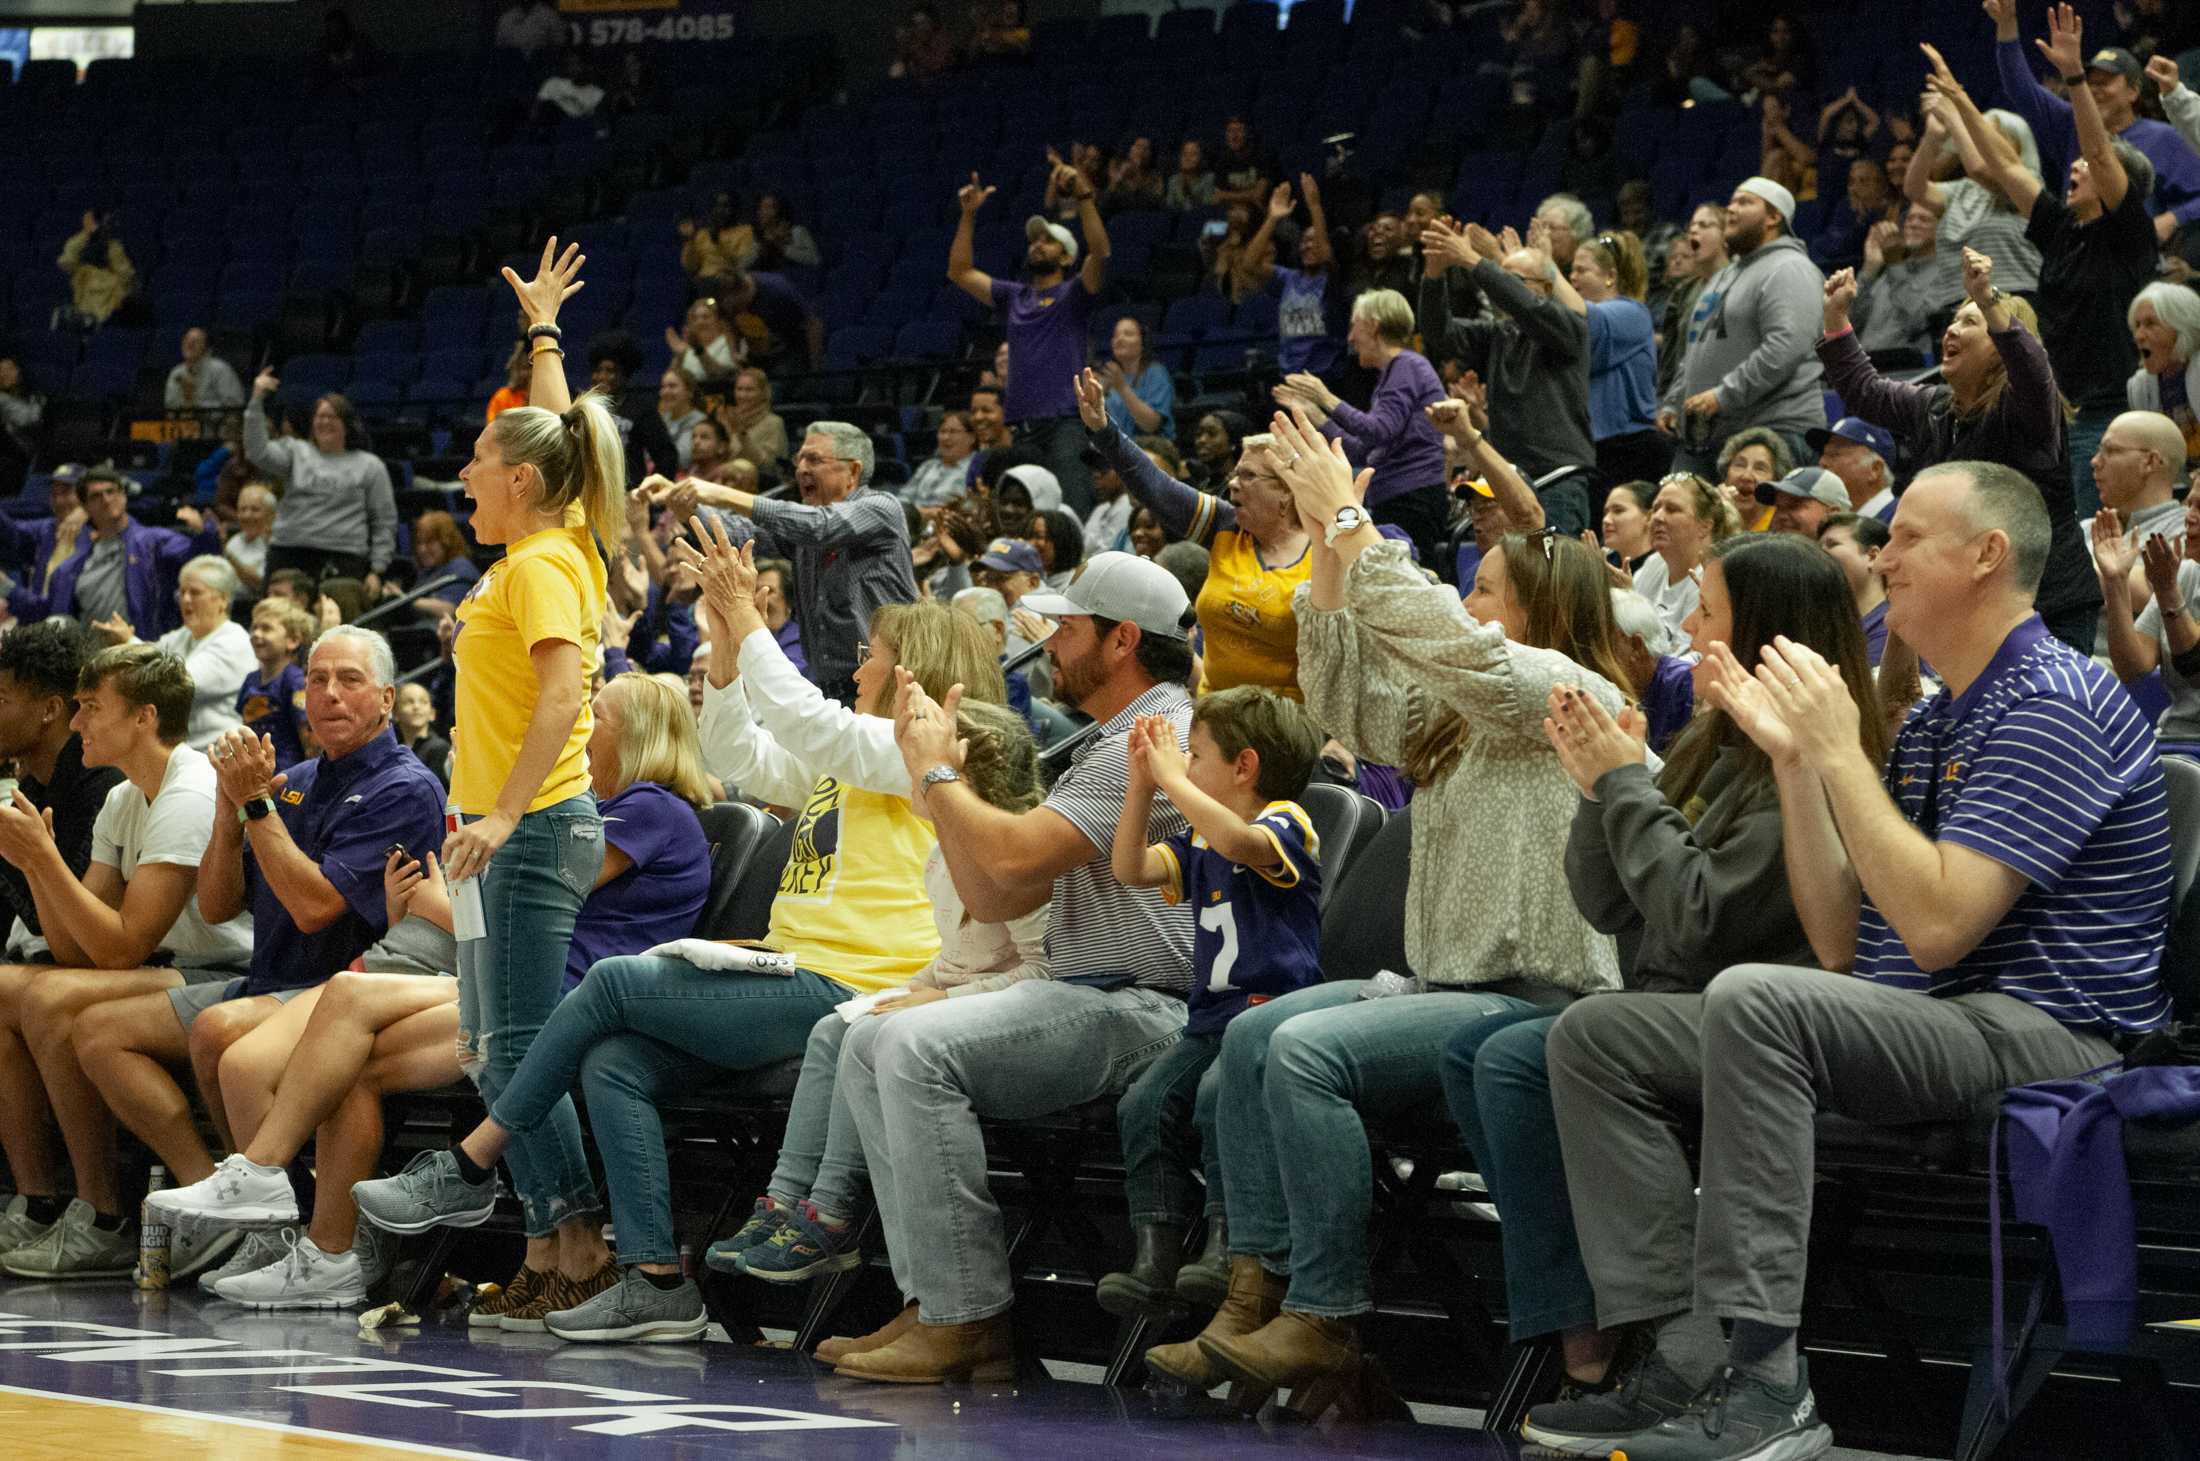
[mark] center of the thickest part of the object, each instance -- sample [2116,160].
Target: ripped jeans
[509,981]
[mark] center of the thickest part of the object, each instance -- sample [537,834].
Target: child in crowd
[272,700]
[1250,866]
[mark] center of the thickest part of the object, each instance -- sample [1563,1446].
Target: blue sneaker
[802,1248]
[767,1218]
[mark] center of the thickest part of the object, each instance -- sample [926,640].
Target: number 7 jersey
[1258,932]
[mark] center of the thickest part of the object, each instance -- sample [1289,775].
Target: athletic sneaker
[1738,1417]
[429,1193]
[260,1247]
[17,1227]
[489,1313]
[1592,1424]
[376,1251]
[74,1248]
[635,1311]
[194,1247]
[239,1191]
[554,1292]
[304,1278]
[767,1218]
[804,1246]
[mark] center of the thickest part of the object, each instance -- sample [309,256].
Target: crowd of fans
[1719,721]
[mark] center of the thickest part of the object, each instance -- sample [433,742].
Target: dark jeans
[1566,504]
[317,563]
[1638,456]
[1167,1124]
[1059,443]
[1425,514]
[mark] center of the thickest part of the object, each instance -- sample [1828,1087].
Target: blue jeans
[639,1029]
[1167,1124]
[820,1157]
[1296,1074]
[2086,430]
[509,982]
[1499,1091]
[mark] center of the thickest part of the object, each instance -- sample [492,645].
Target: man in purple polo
[1045,319]
[124,570]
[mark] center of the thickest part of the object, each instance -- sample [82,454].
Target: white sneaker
[261,1247]
[305,1278]
[239,1191]
[17,1228]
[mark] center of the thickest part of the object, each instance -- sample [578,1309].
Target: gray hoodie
[1752,338]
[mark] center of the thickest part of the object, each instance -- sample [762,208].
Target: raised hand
[1092,399]
[972,195]
[1508,241]
[1279,203]
[557,279]
[1589,742]
[1450,417]
[2113,552]
[2162,71]
[1939,63]
[1978,278]
[266,383]
[2064,47]
[1811,697]
[1484,243]
[1840,295]
[1315,469]
[2004,15]
[2163,554]
[1726,686]
[1159,755]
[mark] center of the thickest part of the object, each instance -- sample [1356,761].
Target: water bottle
[152,1265]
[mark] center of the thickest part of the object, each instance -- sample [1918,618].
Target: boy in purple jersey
[272,700]
[1250,870]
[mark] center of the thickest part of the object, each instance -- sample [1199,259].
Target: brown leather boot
[1255,1296]
[833,1351]
[1290,1350]
[932,1354]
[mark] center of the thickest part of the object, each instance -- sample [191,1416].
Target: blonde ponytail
[578,455]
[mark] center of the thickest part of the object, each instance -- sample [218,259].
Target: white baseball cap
[1036,227]
[1123,587]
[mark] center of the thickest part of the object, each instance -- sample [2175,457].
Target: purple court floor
[445,1391]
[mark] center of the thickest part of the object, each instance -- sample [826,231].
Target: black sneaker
[1738,1417]
[1589,1423]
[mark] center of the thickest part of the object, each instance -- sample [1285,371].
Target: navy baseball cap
[1011,555]
[1858,430]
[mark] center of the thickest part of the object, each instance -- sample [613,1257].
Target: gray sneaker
[1591,1424]
[261,1246]
[17,1228]
[1738,1417]
[376,1251]
[74,1248]
[634,1311]
[429,1193]
[195,1246]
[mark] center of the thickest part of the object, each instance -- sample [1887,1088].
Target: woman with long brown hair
[1687,863]
[1407,675]
[1998,403]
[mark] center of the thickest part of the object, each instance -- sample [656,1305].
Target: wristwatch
[255,809]
[1349,519]
[941,774]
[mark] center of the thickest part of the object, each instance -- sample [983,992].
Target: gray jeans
[916,1083]
[819,1157]
[1759,1054]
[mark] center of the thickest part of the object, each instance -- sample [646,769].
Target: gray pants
[916,1083]
[1759,1054]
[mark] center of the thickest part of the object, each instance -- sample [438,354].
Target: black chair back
[1364,916]
[1346,822]
[738,835]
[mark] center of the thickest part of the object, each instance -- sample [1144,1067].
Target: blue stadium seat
[1195,314]
[306,376]
[929,340]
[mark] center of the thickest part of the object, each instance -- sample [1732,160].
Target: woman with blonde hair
[1997,402]
[852,915]
[754,432]
[548,481]
[327,1059]
[801,1224]
[1687,516]
[1457,695]
[213,646]
[1609,281]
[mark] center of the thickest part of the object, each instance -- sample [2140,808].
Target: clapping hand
[1279,203]
[1726,686]
[2163,555]
[1589,742]
[1484,243]
[925,729]
[1811,697]
[1157,759]
[23,828]
[557,279]
[2114,554]
[1881,237]
[244,766]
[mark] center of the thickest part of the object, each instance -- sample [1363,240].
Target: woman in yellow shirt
[548,481]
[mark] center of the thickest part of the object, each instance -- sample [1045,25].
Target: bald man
[2140,461]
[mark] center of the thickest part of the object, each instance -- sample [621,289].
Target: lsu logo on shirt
[813,862]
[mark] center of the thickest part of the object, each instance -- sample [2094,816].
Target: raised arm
[2047,114]
[263,451]
[1983,140]
[2065,50]
[1546,321]
[1899,406]
[1523,509]
[1182,509]
[1314,243]
[1917,180]
[557,279]
[2032,401]
[962,269]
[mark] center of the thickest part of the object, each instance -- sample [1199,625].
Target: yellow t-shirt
[550,585]
[852,904]
[1245,614]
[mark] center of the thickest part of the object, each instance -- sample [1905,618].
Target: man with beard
[848,542]
[39,665]
[1751,338]
[1120,961]
[1044,319]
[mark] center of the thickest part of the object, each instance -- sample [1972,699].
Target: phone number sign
[640,22]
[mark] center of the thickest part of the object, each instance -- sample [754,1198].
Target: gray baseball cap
[1816,483]
[1120,586]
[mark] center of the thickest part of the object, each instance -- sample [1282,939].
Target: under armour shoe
[260,1247]
[238,1191]
[303,1278]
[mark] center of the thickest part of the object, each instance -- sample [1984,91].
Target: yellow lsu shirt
[1245,613]
[852,904]
[550,585]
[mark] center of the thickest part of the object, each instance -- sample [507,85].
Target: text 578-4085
[633,30]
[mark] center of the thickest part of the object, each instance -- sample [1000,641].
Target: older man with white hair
[848,542]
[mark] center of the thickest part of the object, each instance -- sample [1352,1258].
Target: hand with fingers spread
[2162,555]
[2114,555]
[925,729]
[2064,47]
[1160,760]
[1508,241]
[972,195]
[1316,471]
[1280,203]
[1483,243]
[1590,742]
[1726,685]
[557,279]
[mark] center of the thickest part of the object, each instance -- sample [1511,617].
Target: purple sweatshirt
[1394,435]
[2176,166]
